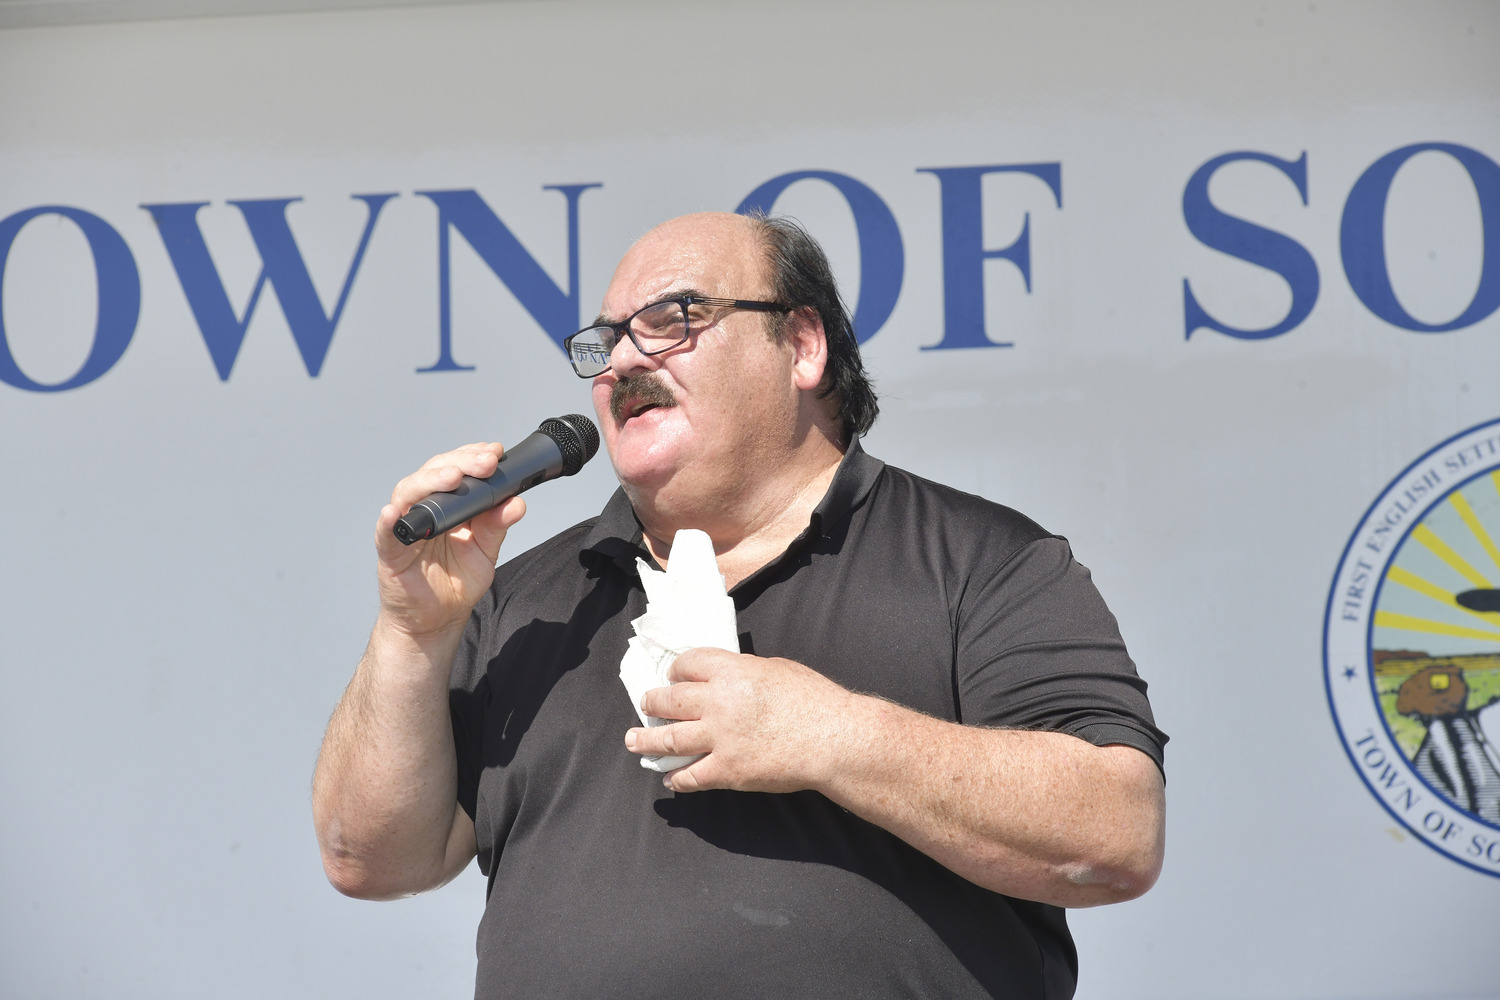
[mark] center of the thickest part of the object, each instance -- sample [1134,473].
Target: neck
[752,520]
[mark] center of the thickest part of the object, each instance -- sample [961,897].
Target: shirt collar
[617,534]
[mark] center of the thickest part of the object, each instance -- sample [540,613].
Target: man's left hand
[766,725]
[1037,815]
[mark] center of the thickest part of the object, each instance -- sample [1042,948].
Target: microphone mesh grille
[576,436]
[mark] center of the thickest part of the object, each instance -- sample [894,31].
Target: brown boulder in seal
[1433,693]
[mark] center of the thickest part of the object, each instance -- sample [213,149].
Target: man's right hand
[429,587]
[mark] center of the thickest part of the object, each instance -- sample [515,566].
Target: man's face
[694,417]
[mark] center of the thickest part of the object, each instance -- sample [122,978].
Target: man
[931,741]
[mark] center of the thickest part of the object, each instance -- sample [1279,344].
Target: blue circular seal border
[1328,615]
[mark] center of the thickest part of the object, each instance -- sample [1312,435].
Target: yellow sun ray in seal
[1427,588]
[1409,623]
[1440,548]
[1476,527]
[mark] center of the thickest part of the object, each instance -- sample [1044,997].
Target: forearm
[1037,815]
[385,787]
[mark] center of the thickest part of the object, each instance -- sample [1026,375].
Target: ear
[808,343]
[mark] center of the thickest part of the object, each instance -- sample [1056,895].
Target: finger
[476,455]
[680,701]
[387,519]
[698,776]
[443,472]
[440,479]
[390,550]
[387,547]
[677,739]
[489,529]
[424,482]
[698,664]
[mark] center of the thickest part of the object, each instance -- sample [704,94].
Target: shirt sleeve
[1037,649]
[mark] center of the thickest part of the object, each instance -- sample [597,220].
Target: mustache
[645,389]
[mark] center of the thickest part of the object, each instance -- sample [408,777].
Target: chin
[644,463]
[650,448]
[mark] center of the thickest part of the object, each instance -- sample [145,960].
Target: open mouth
[636,395]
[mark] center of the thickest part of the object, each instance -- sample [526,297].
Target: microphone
[557,448]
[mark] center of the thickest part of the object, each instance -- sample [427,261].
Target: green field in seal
[1481,672]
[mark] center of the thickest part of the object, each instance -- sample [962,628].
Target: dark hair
[800,276]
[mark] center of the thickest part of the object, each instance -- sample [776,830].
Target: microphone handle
[534,460]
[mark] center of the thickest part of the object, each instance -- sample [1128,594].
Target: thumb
[696,777]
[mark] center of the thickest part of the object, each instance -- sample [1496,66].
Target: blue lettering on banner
[555,306]
[882,257]
[1251,243]
[281,265]
[1362,237]
[964,253]
[554,309]
[119,299]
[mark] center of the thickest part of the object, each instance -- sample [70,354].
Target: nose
[627,359]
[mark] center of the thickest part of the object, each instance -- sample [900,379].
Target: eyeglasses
[658,327]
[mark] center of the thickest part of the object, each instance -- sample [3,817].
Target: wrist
[865,731]
[849,741]
[397,641]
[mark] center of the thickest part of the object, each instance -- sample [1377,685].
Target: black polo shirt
[602,883]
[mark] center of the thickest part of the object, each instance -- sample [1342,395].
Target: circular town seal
[1411,648]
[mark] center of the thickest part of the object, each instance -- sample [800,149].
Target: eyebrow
[679,293]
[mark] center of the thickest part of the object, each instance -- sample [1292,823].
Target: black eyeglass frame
[624,326]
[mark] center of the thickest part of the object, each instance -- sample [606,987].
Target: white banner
[1189,284]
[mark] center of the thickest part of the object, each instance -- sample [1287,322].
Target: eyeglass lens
[655,329]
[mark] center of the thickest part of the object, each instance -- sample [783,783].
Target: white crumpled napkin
[686,606]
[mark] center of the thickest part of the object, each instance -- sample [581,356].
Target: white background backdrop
[188,579]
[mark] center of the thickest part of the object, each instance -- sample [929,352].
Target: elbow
[381,872]
[1084,884]
[340,863]
[1136,882]
[1104,884]
[1125,872]
[1129,842]
[1141,877]
[348,879]
[345,871]
[353,883]
[350,870]
[361,881]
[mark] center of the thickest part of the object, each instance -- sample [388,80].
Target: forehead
[712,254]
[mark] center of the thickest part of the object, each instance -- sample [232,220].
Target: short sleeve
[1038,649]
